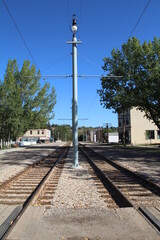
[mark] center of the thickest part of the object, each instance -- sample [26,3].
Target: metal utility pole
[74,102]
[74,43]
[124,129]
[107,125]
[74,76]
[58,136]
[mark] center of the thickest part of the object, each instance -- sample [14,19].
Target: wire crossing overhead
[139,18]
[80,76]
[70,119]
[18,30]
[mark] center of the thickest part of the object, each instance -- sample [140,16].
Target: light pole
[58,136]
[74,43]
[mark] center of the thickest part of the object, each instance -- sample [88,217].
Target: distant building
[136,128]
[113,137]
[100,135]
[42,135]
[93,136]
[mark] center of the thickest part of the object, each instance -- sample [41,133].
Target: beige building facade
[137,129]
[41,134]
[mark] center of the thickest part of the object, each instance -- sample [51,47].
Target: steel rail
[118,197]
[15,177]
[151,219]
[4,184]
[39,188]
[154,188]
[13,218]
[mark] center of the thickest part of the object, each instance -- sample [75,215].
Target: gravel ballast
[76,187]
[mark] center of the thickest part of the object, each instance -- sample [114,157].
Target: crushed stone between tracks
[76,188]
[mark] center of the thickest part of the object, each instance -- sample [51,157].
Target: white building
[113,137]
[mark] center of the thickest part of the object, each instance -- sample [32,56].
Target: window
[119,124]
[127,121]
[150,134]
[158,134]
[42,131]
[31,132]
[38,132]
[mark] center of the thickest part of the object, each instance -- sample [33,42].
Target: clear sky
[45,27]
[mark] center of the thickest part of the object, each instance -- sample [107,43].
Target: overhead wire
[16,26]
[88,60]
[80,16]
[139,18]
[90,108]
[59,60]
[144,10]
[68,10]
[69,32]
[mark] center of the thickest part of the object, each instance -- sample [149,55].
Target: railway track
[46,192]
[104,193]
[34,185]
[127,188]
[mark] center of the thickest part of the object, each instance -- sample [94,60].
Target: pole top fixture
[74,27]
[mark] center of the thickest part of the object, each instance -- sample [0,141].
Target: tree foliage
[62,132]
[24,103]
[139,86]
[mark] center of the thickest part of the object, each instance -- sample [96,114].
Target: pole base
[76,167]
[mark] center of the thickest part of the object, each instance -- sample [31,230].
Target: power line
[139,19]
[103,78]
[70,119]
[59,60]
[88,60]
[80,16]
[68,11]
[69,20]
[13,20]
[91,105]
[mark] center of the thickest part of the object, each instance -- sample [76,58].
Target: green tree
[10,106]
[38,102]
[63,132]
[139,86]
[24,103]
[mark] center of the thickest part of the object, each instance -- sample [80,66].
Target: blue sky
[45,27]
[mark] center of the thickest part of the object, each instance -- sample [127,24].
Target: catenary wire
[80,17]
[139,18]
[91,105]
[59,60]
[13,20]
[88,60]
[68,11]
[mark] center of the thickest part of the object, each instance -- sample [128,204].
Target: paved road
[14,160]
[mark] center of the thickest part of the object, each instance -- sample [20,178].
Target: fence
[6,144]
